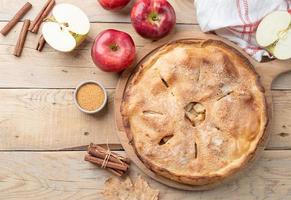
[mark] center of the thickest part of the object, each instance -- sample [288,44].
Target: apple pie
[195,111]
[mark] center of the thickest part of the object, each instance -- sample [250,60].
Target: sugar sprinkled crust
[195,111]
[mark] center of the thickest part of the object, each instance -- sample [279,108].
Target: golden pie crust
[195,111]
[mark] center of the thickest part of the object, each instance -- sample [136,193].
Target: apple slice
[274,34]
[271,26]
[282,49]
[66,28]
[58,38]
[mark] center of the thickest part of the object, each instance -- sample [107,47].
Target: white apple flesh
[282,49]
[274,34]
[271,26]
[66,28]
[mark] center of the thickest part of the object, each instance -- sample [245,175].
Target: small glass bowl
[77,103]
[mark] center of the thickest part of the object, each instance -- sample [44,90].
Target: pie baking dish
[195,111]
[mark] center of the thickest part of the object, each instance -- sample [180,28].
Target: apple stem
[114,47]
[154,17]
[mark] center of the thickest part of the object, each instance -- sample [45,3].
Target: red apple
[113,4]
[153,18]
[113,50]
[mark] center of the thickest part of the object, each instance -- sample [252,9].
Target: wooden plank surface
[51,69]
[38,70]
[49,120]
[64,175]
[94,11]
[37,114]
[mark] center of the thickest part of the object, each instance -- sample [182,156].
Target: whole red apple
[113,4]
[153,18]
[113,50]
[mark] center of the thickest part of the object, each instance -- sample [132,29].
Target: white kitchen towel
[237,20]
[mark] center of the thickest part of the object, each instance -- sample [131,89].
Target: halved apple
[274,34]
[66,28]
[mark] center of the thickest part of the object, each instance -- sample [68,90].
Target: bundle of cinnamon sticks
[27,26]
[107,159]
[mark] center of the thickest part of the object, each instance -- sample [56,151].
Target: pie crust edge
[236,165]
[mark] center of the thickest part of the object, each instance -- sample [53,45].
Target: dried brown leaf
[123,189]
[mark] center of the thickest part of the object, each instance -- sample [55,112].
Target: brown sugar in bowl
[90,97]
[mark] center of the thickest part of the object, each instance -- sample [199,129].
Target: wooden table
[43,136]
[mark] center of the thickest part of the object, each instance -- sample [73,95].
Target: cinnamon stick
[99,152]
[110,164]
[116,172]
[44,12]
[40,44]
[24,9]
[21,39]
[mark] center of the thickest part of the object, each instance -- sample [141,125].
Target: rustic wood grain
[283,82]
[47,119]
[96,13]
[51,69]
[38,70]
[64,175]
[280,137]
